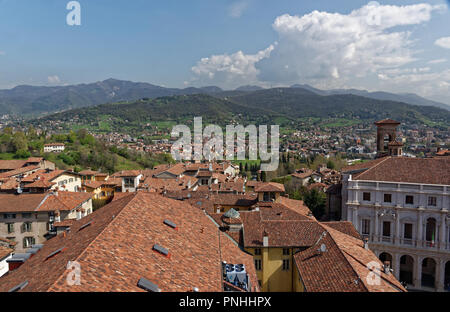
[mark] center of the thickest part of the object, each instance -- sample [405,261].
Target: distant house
[54,148]
[5,254]
[30,219]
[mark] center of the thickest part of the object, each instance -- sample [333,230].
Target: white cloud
[437,61]
[53,79]
[237,8]
[324,48]
[229,70]
[443,42]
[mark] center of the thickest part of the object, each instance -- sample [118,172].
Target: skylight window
[19,287]
[84,226]
[147,285]
[161,250]
[55,253]
[170,223]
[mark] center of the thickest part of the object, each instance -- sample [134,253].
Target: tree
[331,165]
[315,201]
[19,141]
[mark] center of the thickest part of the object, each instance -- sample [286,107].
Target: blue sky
[230,43]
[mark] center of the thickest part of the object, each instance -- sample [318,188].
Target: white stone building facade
[407,224]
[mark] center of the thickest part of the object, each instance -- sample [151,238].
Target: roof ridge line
[374,166]
[99,234]
[381,276]
[340,250]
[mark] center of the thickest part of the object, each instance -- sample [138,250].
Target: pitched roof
[5,252]
[409,170]
[11,203]
[41,184]
[343,267]
[269,187]
[18,171]
[345,227]
[363,166]
[127,173]
[12,164]
[243,200]
[113,258]
[295,205]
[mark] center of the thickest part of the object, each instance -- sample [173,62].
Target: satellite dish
[19,190]
[323,248]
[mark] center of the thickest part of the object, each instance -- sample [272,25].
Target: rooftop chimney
[387,267]
[366,243]
[265,239]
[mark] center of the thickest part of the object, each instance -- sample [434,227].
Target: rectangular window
[129,182]
[9,216]
[285,265]
[258,264]
[26,227]
[408,231]
[387,198]
[26,215]
[409,199]
[387,229]
[10,227]
[366,196]
[431,201]
[28,242]
[366,226]
[286,252]
[257,251]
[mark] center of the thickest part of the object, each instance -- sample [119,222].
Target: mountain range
[33,101]
[283,106]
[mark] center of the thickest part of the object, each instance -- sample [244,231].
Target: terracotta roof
[40,184]
[295,205]
[176,169]
[12,164]
[159,184]
[409,170]
[364,165]
[342,267]
[269,187]
[48,176]
[88,172]
[10,203]
[35,159]
[345,227]
[64,201]
[93,184]
[9,184]
[8,242]
[303,175]
[127,173]
[113,258]
[5,252]
[18,171]
[244,200]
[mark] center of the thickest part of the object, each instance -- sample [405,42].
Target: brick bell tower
[387,144]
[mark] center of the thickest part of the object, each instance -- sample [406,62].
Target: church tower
[387,144]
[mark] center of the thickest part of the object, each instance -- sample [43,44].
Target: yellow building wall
[298,284]
[272,276]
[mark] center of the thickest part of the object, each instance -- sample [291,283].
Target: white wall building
[54,148]
[5,254]
[401,205]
